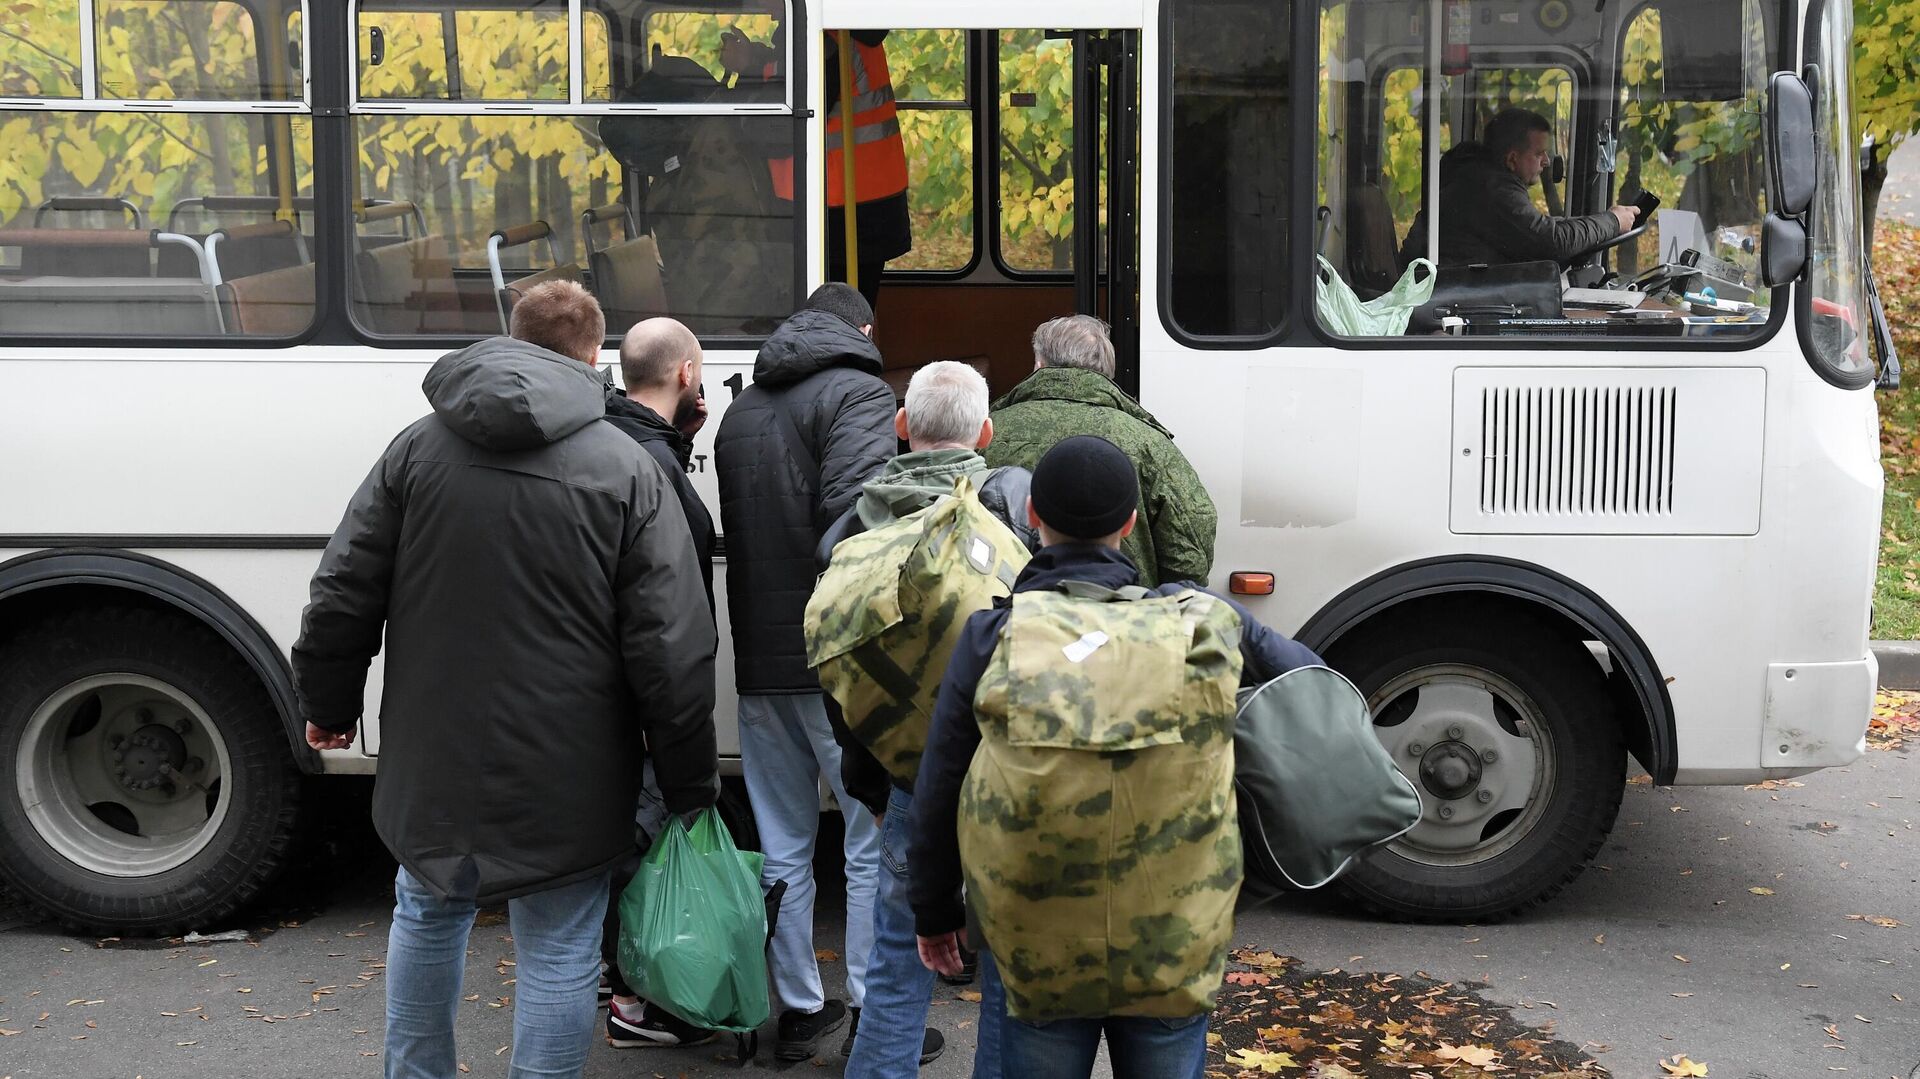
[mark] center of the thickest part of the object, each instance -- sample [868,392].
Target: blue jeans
[556,936]
[786,746]
[1138,1048]
[899,986]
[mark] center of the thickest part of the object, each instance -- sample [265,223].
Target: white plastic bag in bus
[1385,315]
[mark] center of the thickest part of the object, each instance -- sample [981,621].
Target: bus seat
[277,303]
[77,254]
[402,288]
[1372,264]
[626,277]
[87,307]
[248,250]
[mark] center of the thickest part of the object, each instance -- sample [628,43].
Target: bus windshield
[1601,147]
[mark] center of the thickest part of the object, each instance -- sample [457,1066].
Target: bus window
[132,223]
[1594,108]
[183,50]
[688,212]
[936,123]
[40,53]
[1036,151]
[1227,167]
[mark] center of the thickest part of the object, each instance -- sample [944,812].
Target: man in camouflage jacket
[1086,938]
[1071,392]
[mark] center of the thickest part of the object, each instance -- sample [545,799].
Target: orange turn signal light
[1250,584]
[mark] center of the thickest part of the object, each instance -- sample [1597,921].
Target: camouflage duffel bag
[886,614]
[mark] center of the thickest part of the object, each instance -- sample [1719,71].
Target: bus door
[1023,181]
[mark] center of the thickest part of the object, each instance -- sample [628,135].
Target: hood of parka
[811,342]
[505,394]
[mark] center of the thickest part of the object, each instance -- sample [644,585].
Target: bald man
[662,408]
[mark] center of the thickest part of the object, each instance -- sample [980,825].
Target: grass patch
[1896,594]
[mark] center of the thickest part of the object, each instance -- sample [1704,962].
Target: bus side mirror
[1783,250]
[1791,154]
[1792,159]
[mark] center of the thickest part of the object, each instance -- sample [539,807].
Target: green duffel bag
[1316,789]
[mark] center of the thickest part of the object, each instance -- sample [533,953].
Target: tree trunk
[1872,180]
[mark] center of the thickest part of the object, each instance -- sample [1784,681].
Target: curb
[1899,664]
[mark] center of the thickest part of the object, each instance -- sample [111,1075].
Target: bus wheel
[145,783]
[1506,727]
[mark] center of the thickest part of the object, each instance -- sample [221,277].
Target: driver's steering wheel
[1581,256]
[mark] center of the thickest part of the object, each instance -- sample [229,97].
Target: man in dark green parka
[1071,392]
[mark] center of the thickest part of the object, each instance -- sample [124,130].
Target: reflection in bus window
[1547,128]
[167,50]
[40,52]
[1838,299]
[1227,165]
[930,73]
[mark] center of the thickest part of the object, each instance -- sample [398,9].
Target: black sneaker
[800,1032]
[931,1046]
[656,1028]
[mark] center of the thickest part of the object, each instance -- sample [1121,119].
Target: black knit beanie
[1085,487]
[840,298]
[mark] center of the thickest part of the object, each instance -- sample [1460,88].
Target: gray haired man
[1072,392]
[945,424]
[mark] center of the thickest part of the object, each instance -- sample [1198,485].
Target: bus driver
[1488,216]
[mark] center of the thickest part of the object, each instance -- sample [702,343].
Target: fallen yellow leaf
[1761,891]
[1477,1055]
[1271,1063]
[1680,1065]
[971,996]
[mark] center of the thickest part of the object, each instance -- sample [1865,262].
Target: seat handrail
[238,204]
[84,203]
[373,210]
[607,213]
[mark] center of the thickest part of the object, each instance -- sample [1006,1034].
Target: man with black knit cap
[1079,778]
[792,454]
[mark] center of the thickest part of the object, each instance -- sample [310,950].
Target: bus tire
[1506,726]
[145,784]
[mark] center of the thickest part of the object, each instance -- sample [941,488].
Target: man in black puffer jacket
[530,569]
[793,452]
[661,408]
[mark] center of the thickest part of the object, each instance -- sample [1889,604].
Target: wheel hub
[149,757]
[1450,770]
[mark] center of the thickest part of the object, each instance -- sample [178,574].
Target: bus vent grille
[1573,451]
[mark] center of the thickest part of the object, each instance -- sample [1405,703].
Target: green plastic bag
[1383,316]
[693,928]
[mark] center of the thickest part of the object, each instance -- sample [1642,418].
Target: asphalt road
[1900,198]
[1762,975]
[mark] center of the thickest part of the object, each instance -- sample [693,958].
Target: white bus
[1620,506]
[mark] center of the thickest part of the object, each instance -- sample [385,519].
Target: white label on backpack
[1078,651]
[673,163]
[980,553]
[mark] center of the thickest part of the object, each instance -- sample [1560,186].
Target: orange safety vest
[879,154]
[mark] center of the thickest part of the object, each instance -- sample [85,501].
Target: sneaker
[800,1032]
[605,991]
[651,1028]
[931,1046]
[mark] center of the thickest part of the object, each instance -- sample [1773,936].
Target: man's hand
[941,954]
[321,738]
[1626,215]
[692,419]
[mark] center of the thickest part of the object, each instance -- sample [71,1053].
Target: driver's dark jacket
[1487,216]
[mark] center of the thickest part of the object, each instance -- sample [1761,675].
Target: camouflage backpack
[1097,822]
[885,616]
